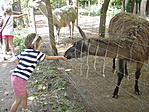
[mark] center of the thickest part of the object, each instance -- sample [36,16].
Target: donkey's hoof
[137,92]
[127,76]
[70,37]
[114,96]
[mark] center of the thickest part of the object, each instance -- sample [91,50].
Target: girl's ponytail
[7,11]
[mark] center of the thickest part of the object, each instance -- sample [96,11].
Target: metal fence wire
[93,78]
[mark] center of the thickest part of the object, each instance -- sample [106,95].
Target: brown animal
[132,47]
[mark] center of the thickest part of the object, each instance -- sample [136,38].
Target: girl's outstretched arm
[17,16]
[56,57]
[18,13]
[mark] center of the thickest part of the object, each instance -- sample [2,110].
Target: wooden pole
[51,28]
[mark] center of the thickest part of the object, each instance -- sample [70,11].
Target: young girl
[27,62]
[7,33]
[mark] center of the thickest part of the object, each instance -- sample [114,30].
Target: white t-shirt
[8,29]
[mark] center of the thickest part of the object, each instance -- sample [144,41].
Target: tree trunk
[26,18]
[147,8]
[51,28]
[143,8]
[69,2]
[129,5]
[123,6]
[132,7]
[75,3]
[17,7]
[32,19]
[138,4]
[126,2]
[103,18]
[135,7]
[89,7]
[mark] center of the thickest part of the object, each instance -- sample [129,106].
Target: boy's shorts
[18,85]
[8,36]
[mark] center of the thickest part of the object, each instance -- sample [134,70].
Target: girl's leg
[4,45]
[11,46]
[24,100]
[18,100]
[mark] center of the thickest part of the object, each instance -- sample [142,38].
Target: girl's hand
[65,59]
[19,12]
[16,60]
[56,57]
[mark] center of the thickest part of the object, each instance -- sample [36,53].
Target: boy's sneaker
[25,110]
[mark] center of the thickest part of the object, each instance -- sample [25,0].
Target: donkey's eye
[72,50]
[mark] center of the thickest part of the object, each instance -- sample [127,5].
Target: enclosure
[91,76]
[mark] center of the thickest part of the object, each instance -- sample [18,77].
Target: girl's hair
[30,40]
[7,10]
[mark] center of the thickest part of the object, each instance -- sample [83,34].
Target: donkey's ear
[82,33]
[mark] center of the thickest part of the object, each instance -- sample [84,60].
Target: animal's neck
[43,9]
[109,47]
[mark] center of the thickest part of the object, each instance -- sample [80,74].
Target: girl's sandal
[5,58]
[25,110]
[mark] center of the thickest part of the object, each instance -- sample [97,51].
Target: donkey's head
[79,48]
[36,3]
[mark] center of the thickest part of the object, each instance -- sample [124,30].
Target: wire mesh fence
[92,76]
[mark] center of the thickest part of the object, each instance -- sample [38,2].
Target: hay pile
[131,28]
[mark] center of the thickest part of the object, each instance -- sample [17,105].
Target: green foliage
[57,5]
[116,3]
[91,13]
[94,10]
[129,6]
[138,1]
[88,0]
[19,37]
[85,2]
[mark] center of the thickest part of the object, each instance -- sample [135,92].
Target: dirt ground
[95,81]
[86,75]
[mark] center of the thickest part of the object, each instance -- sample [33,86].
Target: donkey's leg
[57,32]
[113,66]
[137,75]
[126,71]
[120,77]
[70,30]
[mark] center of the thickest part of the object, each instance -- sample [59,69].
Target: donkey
[113,48]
